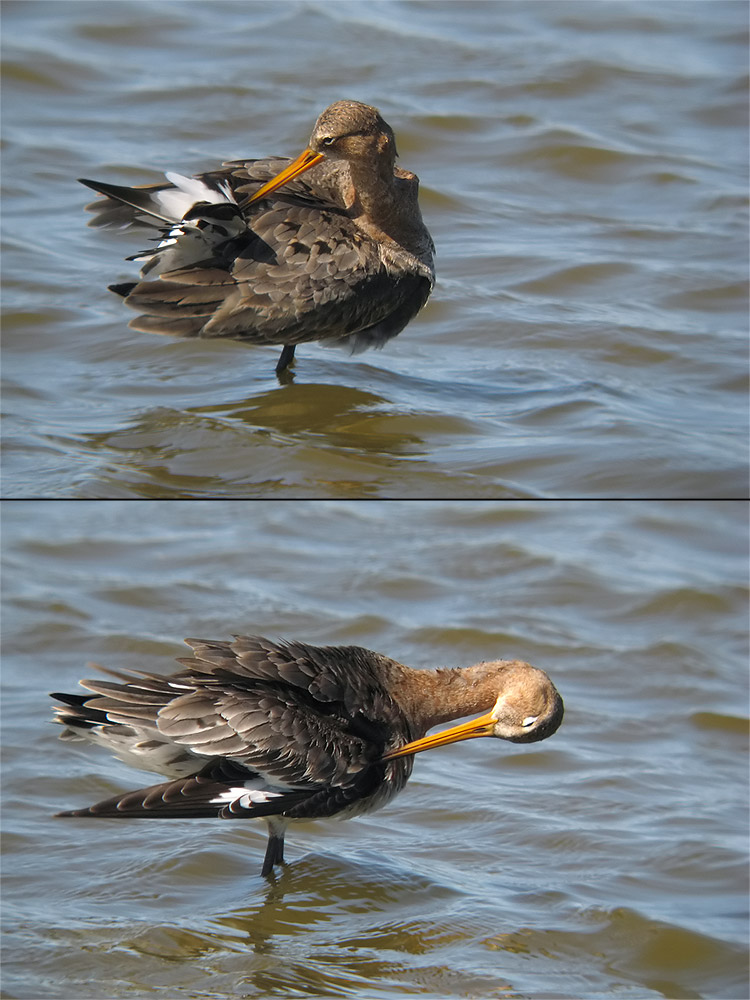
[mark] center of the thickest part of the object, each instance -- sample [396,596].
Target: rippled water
[608,861]
[584,170]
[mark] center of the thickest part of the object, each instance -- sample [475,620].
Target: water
[607,861]
[584,174]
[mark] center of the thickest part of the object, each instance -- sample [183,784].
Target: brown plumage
[256,251]
[284,731]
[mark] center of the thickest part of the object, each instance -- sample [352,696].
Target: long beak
[306,159]
[483,726]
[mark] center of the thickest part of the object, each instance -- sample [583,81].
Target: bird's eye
[327,141]
[529,721]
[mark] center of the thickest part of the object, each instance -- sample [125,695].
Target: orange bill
[483,726]
[306,159]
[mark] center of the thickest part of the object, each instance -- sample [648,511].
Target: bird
[284,731]
[255,251]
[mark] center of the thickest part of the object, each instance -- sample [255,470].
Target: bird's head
[347,130]
[528,709]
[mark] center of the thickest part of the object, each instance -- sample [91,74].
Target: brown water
[607,861]
[584,170]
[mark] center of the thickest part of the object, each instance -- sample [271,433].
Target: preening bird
[286,731]
[255,251]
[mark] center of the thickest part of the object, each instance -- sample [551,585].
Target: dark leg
[287,356]
[274,850]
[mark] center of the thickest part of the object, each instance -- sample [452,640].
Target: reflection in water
[339,414]
[331,927]
[346,438]
[332,412]
[315,890]
[356,923]
[329,440]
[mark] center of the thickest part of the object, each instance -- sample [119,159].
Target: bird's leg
[274,853]
[287,356]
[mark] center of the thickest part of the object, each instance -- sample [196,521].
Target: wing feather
[291,712]
[221,789]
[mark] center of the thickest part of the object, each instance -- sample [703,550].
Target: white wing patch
[187,192]
[191,240]
[245,796]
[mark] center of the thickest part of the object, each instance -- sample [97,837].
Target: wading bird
[286,731]
[255,251]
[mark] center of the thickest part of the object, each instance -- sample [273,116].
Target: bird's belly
[382,795]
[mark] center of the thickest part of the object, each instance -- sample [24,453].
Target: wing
[275,728]
[293,276]
[225,790]
[285,270]
[297,716]
[221,789]
[295,713]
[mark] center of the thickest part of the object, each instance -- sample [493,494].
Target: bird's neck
[378,208]
[434,697]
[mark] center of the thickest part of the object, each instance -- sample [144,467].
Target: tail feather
[76,713]
[124,289]
[142,199]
